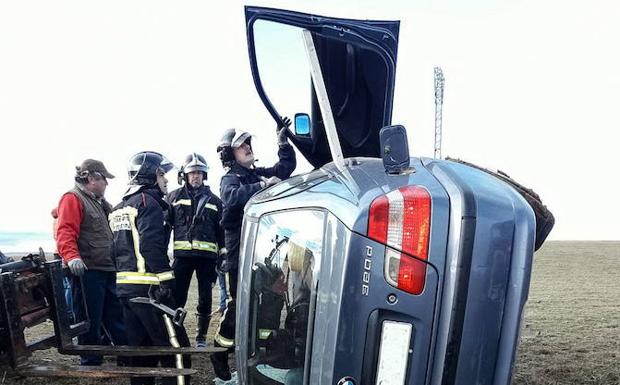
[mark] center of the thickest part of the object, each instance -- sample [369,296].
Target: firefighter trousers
[146,327]
[184,268]
[225,335]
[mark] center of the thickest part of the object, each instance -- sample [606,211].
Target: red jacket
[68,226]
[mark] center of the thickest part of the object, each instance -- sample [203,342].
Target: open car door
[357,59]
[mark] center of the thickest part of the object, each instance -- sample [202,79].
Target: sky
[530,89]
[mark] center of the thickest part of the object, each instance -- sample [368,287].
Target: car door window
[286,260]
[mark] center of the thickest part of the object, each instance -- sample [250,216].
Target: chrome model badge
[346,381]
[366,274]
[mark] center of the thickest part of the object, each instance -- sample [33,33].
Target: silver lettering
[366,273]
[366,277]
[365,290]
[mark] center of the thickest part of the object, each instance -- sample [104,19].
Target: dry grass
[571,332]
[571,327]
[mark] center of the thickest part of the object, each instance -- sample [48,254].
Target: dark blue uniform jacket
[195,215]
[141,236]
[239,184]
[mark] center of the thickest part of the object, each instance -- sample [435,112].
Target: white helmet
[232,138]
[193,162]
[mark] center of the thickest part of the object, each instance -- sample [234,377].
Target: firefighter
[195,214]
[241,181]
[84,242]
[141,236]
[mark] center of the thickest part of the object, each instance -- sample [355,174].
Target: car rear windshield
[286,260]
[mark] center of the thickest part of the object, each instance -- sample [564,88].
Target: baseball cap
[92,165]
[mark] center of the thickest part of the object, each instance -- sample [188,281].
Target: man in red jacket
[84,241]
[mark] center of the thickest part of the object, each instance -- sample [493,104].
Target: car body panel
[465,323]
[490,252]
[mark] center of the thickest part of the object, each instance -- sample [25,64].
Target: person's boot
[219,361]
[202,325]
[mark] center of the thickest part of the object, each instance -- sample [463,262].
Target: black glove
[282,129]
[163,293]
[222,266]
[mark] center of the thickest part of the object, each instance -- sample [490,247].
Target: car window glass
[287,256]
[283,66]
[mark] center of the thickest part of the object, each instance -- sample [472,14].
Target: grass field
[571,329]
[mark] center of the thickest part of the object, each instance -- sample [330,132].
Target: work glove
[282,129]
[163,293]
[267,182]
[77,267]
[221,265]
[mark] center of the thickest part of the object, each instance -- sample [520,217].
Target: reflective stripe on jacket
[195,215]
[141,237]
[143,278]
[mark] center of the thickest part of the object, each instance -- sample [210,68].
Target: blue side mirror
[302,124]
[394,149]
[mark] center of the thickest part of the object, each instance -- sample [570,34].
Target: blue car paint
[466,321]
[485,265]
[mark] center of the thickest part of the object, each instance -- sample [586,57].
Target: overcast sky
[530,89]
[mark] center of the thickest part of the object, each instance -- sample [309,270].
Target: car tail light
[401,220]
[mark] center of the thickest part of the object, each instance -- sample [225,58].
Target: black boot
[219,361]
[202,325]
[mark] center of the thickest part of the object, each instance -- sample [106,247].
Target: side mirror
[302,125]
[394,149]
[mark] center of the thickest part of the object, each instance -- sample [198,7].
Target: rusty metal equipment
[31,293]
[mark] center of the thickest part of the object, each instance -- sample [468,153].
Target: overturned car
[376,267]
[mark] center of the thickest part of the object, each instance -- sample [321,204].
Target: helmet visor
[166,165]
[144,166]
[240,138]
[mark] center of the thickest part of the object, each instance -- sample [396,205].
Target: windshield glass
[285,267]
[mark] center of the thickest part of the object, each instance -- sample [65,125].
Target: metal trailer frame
[31,293]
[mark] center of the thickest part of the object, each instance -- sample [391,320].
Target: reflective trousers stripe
[196,245]
[224,342]
[172,335]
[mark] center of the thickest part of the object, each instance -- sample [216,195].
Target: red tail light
[401,220]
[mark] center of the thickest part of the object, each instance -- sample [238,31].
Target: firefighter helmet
[193,162]
[144,165]
[232,138]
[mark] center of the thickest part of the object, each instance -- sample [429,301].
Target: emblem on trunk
[346,381]
[366,273]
